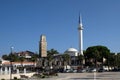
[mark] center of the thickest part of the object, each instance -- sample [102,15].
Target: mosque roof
[71,50]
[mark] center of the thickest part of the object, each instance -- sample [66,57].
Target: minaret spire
[80,22]
[80,29]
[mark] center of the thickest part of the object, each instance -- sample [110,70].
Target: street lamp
[116,59]
[11,48]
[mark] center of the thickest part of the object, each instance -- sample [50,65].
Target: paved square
[87,76]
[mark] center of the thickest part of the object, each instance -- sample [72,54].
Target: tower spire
[80,22]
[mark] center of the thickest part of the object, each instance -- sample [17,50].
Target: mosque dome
[71,52]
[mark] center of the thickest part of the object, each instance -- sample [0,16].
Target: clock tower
[43,46]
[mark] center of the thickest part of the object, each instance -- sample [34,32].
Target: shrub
[15,78]
[42,76]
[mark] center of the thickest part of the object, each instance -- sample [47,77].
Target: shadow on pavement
[83,78]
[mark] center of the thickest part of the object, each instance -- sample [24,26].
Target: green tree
[80,59]
[66,59]
[118,60]
[111,60]
[21,60]
[114,60]
[34,58]
[51,52]
[50,55]
[97,53]
[13,57]
[5,57]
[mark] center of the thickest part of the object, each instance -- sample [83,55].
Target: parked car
[68,70]
[93,70]
[115,70]
[101,70]
[75,70]
[82,70]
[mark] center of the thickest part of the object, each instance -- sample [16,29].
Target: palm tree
[52,52]
[22,60]
[66,59]
[80,59]
[50,56]
[34,58]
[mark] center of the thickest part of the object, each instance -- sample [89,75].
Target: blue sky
[23,21]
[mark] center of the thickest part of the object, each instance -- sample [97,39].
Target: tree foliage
[50,55]
[80,57]
[10,57]
[15,58]
[97,53]
[66,59]
[5,57]
[52,52]
[34,57]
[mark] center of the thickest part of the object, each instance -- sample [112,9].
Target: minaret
[80,29]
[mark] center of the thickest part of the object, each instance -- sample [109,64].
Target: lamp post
[116,59]
[11,70]
[11,48]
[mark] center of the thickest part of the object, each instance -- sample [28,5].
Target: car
[68,70]
[93,70]
[82,70]
[101,70]
[75,70]
[115,70]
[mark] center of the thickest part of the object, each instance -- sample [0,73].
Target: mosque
[58,60]
[72,52]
